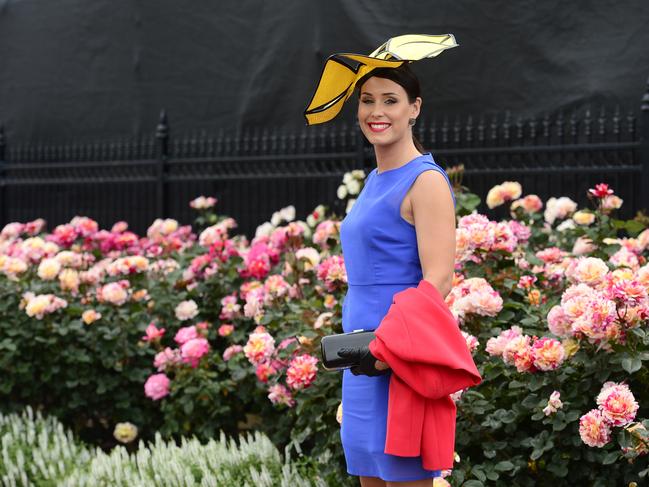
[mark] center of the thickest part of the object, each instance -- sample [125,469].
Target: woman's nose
[377,110]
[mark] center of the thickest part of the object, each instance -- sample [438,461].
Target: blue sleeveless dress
[381,259]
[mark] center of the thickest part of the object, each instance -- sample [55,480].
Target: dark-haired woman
[401,229]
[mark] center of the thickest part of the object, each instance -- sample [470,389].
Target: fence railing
[256,172]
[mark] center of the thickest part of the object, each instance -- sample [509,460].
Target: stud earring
[412,122]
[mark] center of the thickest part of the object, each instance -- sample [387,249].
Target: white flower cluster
[286,215]
[351,186]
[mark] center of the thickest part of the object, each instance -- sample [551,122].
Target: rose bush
[191,333]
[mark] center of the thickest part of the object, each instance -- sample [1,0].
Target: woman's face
[384,111]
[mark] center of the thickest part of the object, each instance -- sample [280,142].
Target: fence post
[644,149]
[3,196]
[162,134]
[360,149]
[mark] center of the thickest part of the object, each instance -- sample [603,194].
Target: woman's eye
[390,101]
[366,101]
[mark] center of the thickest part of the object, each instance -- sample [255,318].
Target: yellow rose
[90,316]
[570,345]
[583,217]
[495,197]
[69,280]
[140,294]
[534,297]
[622,273]
[125,432]
[49,269]
[37,305]
[511,190]
[15,266]
[169,226]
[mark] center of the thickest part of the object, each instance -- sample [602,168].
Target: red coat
[421,342]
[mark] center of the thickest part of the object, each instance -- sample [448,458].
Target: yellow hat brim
[342,71]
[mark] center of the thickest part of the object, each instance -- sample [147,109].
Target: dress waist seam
[413,283]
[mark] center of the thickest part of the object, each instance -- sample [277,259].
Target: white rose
[305,227]
[565,225]
[347,177]
[276,219]
[186,310]
[350,203]
[342,192]
[309,253]
[353,187]
[265,229]
[288,213]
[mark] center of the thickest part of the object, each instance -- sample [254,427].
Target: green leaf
[188,407]
[631,364]
[514,384]
[479,474]
[506,315]
[536,454]
[610,458]
[504,466]
[473,483]
[634,227]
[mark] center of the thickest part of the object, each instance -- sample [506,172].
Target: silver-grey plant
[38,451]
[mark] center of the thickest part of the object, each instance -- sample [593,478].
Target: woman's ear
[416,107]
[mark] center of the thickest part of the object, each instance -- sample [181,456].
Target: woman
[400,229]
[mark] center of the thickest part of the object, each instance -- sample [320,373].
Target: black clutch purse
[330,344]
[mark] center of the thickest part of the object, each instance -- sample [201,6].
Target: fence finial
[645,99]
[162,133]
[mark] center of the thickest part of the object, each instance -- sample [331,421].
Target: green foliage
[92,376]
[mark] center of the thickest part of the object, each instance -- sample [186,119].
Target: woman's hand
[368,364]
[381,365]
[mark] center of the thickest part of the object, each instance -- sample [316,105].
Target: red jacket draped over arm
[420,340]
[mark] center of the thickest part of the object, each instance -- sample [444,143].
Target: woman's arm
[434,215]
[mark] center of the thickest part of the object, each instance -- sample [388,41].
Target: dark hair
[404,77]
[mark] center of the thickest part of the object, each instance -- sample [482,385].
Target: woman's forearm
[443,284]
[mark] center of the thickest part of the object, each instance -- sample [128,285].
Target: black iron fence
[259,171]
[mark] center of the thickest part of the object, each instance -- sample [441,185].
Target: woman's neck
[395,155]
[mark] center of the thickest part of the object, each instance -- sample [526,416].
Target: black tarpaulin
[77,69]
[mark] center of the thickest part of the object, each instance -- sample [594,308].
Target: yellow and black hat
[342,71]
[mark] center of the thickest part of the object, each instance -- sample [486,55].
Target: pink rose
[279,394]
[594,429]
[153,333]
[185,334]
[157,386]
[193,350]
[167,356]
[301,371]
[264,371]
[225,330]
[232,350]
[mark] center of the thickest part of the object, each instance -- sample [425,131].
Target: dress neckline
[376,170]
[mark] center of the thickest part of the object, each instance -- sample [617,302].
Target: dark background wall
[79,69]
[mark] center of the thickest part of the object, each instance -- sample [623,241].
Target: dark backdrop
[79,69]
